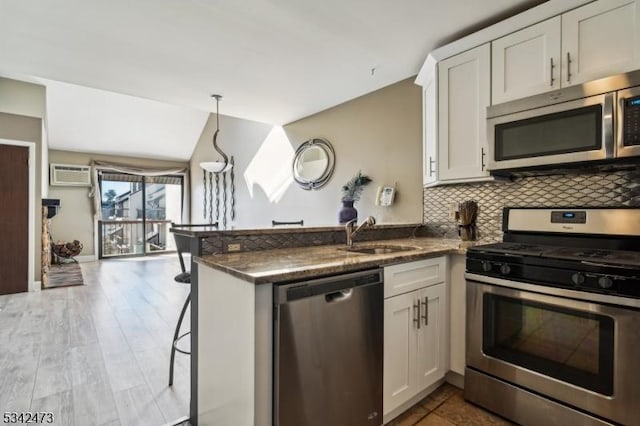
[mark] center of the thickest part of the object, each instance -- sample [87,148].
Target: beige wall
[22,111]
[379,133]
[75,219]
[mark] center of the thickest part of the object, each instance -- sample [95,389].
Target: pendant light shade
[217,166]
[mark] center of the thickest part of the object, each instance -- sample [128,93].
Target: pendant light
[217,166]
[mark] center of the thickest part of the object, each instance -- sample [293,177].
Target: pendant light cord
[215,135]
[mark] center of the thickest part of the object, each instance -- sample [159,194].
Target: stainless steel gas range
[553,318]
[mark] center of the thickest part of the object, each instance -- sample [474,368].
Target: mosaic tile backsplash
[266,240]
[593,189]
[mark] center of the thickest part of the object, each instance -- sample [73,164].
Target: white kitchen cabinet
[409,276]
[431,362]
[463,95]
[415,342]
[526,62]
[430,129]
[593,41]
[600,39]
[400,380]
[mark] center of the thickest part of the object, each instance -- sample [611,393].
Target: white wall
[379,133]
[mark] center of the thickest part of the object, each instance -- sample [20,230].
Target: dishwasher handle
[338,296]
[329,287]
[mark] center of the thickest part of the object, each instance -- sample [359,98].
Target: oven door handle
[554,291]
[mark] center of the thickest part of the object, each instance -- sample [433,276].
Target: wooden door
[14,219]
[600,39]
[464,93]
[526,62]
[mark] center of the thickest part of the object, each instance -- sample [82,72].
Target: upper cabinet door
[600,39]
[526,62]
[463,96]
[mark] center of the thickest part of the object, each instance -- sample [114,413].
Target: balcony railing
[124,237]
[114,213]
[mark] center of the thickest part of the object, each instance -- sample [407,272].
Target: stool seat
[183,277]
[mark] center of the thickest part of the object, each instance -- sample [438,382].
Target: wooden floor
[446,407]
[97,354]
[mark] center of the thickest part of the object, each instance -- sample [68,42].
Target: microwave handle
[607,125]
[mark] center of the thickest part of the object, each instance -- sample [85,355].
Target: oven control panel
[569,216]
[540,271]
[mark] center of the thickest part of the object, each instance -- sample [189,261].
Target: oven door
[573,351]
[568,132]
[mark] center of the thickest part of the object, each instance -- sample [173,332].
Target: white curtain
[98,166]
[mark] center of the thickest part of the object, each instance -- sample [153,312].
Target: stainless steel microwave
[595,121]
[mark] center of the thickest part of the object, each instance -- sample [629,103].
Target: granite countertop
[268,266]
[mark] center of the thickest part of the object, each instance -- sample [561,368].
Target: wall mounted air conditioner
[69,175]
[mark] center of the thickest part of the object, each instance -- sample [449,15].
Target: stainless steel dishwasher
[328,351]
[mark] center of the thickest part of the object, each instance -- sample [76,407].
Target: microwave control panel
[632,121]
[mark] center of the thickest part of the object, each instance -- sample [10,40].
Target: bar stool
[183,244]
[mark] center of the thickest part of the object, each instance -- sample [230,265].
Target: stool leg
[175,337]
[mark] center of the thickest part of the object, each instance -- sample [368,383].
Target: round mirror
[313,163]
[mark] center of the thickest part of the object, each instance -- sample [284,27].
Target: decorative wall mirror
[313,163]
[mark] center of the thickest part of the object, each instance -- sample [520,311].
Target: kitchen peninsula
[232,303]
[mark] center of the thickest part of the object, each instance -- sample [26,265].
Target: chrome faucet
[351,232]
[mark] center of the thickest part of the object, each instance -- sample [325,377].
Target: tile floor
[446,407]
[97,354]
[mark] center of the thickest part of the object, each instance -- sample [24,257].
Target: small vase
[347,212]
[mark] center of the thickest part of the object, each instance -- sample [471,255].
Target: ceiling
[274,61]
[81,119]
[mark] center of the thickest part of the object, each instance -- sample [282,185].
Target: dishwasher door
[328,351]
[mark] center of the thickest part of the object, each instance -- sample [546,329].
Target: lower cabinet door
[415,345]
[431,342]
[400,350]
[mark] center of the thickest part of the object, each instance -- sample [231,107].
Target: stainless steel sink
[378,249]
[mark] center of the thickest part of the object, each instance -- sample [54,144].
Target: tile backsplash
[575,189]
[267,239]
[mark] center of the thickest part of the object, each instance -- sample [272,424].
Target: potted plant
[351,193]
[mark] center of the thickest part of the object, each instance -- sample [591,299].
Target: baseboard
[411,402]
[37,286]
[87,258]
[454,379]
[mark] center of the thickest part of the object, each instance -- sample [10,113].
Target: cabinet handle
[482,159]
[431,163]
[416,307]
[568,67]
[425,315]
[551,71]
